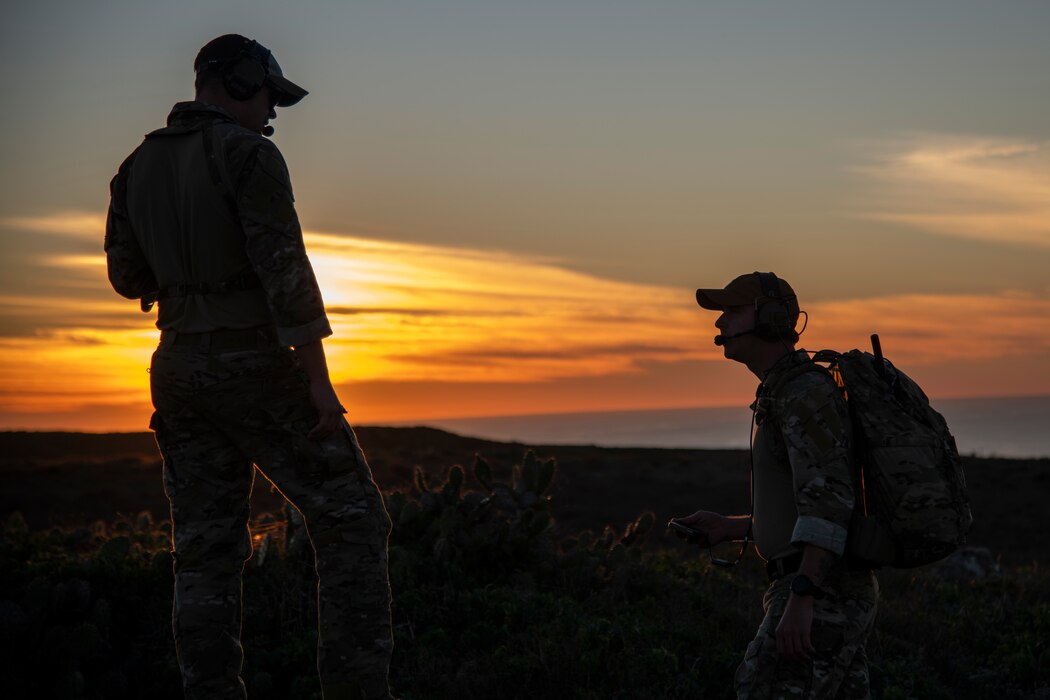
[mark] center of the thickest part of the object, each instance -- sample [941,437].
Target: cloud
[26,316]
[86,225]
[993,189]
[498,355]
[381,311]
[422,312]
[409,315]
[937,328]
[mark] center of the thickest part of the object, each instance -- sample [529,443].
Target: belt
[223,339]
[779,568]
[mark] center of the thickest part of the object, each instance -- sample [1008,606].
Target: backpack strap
[823,361]
[816,363]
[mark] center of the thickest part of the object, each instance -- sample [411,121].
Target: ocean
[998,427]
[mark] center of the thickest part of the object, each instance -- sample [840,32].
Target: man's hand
[794,640]
[329,410]
[322,394]
[715,528]
[794,633]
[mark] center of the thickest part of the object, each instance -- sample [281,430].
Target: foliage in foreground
[489,602]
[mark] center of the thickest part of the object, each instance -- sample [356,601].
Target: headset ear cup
[763,329]
[244,78]
[773,321]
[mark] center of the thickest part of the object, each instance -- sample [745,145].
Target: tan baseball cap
[745,290]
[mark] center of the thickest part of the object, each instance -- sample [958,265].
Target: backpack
[911,506]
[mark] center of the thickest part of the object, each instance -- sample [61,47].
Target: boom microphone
[720,340]
[267,131]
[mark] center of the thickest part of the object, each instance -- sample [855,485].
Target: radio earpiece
[774,317]
[246,73]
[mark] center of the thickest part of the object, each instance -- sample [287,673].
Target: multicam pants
[217,413]
[842,623]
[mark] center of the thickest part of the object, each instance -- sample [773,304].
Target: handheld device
[687,533]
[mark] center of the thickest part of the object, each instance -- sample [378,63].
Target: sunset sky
[509,205]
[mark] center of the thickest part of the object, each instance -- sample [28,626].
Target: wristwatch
[803,585]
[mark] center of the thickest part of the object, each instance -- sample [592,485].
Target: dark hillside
[492,598]
[61,478]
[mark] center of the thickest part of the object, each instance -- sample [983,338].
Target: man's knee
[221,545]
[349,508]
[364,537]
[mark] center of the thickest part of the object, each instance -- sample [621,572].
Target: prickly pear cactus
[500,529]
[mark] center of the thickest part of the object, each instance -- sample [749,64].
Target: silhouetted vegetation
[490,601]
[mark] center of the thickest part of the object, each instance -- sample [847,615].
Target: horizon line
[423,422]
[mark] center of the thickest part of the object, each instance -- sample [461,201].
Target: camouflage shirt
[200,204]
[803,484]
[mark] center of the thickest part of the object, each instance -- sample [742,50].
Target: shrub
[489,602]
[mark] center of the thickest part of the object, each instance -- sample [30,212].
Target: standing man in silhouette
[202,223]
[818,614]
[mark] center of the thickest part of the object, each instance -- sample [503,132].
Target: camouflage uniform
[804,494]
[841,626]
[198,203]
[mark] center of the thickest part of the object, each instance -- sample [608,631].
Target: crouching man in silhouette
[818,615]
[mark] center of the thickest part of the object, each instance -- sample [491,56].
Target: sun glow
[427,332]
[413,312]
[75,367]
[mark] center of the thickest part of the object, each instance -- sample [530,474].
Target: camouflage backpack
[911,506]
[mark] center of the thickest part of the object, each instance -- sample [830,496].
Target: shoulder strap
[207,133]
[813,365]
[208,138]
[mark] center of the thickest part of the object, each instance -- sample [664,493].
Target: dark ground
[67,478]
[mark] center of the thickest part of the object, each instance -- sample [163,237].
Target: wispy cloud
[412,315]
[937,328]
[84,225]
[994,189]
[443,313]
[26,316]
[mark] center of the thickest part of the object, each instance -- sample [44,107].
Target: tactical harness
[243,280]
[246,279]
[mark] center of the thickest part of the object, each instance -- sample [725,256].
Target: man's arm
[815,426]
[274,241]
[129,273]
[718,528]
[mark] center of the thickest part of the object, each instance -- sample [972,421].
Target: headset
[245,74]
[774,317]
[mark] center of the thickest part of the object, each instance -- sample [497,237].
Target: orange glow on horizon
[435,332]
